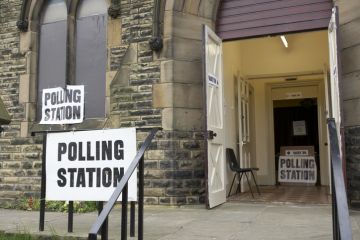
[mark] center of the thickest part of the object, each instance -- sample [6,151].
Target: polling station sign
[297,169]
[87,165]
[63,106]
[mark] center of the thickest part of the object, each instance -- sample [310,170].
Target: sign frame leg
[43,186]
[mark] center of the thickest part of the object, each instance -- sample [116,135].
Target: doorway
[296,126]
[287,86]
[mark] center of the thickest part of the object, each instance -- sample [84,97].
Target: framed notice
[87,165]
[299,128]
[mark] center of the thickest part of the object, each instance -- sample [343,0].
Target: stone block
[350,58]
[189,27]
[188,119]
[163,95]
[24,88]
[114,32]
[131,54]
[350,33]
[192,6]
[188,96]
[24,129]
[182,49]
[351,109]
[174,5]
[208,9]
[351,85]
[154,192]
[181,72]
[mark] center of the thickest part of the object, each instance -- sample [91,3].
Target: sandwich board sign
[87,165]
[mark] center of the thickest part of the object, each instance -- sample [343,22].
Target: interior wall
[269,56]
[307,52]
[232,69]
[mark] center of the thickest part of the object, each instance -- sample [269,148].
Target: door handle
[211,134]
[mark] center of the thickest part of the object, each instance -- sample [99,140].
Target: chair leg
[249,185]
[240,177]
[257,187]
[232,184]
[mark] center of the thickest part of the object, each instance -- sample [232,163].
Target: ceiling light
[284,41]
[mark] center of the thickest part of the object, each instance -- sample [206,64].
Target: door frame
[315,81]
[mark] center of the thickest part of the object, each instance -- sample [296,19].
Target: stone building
[141,62]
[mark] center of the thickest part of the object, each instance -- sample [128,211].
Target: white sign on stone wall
[63,106]
[87,165]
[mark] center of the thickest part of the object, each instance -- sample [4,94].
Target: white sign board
[292,152]
[63,106]
[299,128]
[297,169]
[213,80]
[87,165]
[294,95]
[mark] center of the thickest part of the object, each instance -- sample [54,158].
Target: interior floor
[286,194]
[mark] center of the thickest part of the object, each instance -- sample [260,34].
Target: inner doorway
[287,85]
[296,124]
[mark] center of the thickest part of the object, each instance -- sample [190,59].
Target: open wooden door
[244,127]
[214,90]
[335,75]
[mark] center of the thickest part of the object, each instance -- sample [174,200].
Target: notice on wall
[297,169]
[299,128]
[294,95]
[87,165]
[213,80]
[300,152]
[63,106]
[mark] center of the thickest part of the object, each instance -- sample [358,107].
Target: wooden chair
[234,166]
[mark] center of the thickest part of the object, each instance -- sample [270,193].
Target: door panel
[244,127]
[335,74]
[216,190]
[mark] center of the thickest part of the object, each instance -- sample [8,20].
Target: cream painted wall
[231,66]
[269,56]
[307,52]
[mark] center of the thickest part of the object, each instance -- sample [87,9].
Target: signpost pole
[104,227]
[70,216]
[43,185]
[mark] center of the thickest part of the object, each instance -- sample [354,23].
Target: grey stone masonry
[19,157]
[174,164]
[352,143]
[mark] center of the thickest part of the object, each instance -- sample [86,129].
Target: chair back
[231,158]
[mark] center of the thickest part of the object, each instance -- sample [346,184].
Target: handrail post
[340,211]
[124,212]
[132,219]
[141,200]
[121,187]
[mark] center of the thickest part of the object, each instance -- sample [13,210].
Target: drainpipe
[23,22]
[114,9]
[156,42]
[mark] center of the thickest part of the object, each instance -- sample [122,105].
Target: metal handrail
[340,211]
[122,188]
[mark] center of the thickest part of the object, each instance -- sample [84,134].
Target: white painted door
[334,102]
[244,127]
[216,188]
